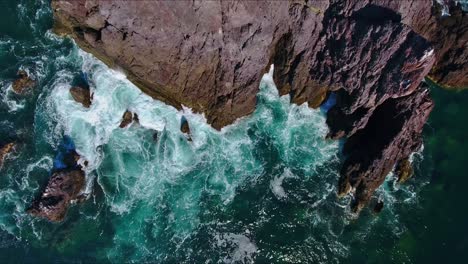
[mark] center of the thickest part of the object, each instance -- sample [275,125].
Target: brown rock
[210,56]
[81,95]
[392,133]
[23,83]
[449,36]
[63,187]
[127,118]
[403,170]
[5,150]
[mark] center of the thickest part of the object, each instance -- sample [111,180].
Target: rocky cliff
[210,56]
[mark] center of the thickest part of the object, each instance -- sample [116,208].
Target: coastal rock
[23,83]
[449,37]
[210,56]
[5,150]
[392,133]
[403,170]
[63,188]
[81,95]
[127,118]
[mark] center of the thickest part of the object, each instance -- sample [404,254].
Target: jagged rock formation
[449,36]
[81,95]
[392,132]
[127,118]
[403,170]
[210,56]
[63,187]
[23,83]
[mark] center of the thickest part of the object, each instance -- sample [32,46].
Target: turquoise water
[262,189]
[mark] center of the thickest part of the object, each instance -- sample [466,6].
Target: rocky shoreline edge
[371,56]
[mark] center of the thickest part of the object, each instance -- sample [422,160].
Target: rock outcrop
[127,118]
[403,170]
[63,187]
[23,83]
[392,132]
[81,95]
[5,150]
[210,56]
[449,36]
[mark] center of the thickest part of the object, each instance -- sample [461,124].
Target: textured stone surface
[449,36]
[23,83]
[81,95]
[63,187]
[210,56]
[392,133]
[403,170]
[127,118]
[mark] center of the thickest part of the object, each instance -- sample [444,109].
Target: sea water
[260,190]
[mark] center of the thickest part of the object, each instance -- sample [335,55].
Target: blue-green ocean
[261,190]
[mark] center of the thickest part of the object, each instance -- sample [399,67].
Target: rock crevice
[210,56]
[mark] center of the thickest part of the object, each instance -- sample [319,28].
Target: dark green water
[261,190]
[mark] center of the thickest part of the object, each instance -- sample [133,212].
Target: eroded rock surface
[210,56]
[127,118]
[392,133]
[63,187]
[81,95]
[23,83]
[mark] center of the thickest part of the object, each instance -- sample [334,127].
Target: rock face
[449,36]
[5,150]
[63,187]
[392,132]
[81,95]
[210,56]
[23,83]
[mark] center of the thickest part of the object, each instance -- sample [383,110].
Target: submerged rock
[5,150]
[81,95]
[378,206]
[63,188]
[156,136]
[23,83]
[403,170]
